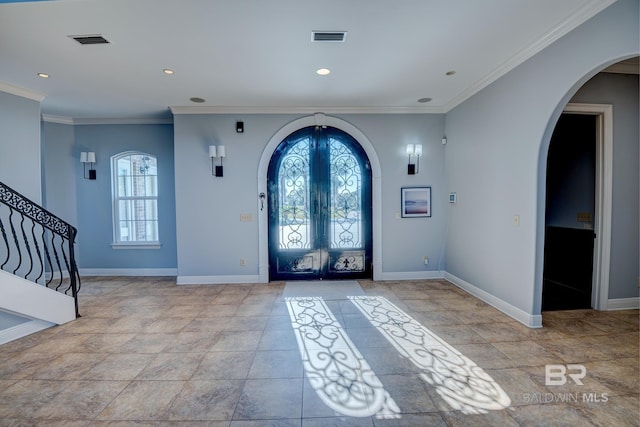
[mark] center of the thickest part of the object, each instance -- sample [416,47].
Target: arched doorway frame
[603,197]
[318,119]
[604,190]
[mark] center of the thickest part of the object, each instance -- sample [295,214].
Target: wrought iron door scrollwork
[299,264]
[346,188]
[293,186]
[349,263]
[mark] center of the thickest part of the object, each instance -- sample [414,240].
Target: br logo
[557,374]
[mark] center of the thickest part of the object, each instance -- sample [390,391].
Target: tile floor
[149,353]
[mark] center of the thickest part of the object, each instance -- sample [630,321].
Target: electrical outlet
[243,262]
[426,260]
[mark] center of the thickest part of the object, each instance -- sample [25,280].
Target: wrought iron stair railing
[37,245]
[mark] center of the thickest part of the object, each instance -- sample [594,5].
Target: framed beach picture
[416,202]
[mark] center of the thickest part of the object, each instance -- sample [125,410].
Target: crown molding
[178,110]
[49,118]
[123,121]
[22,92]
[105,121]
[572,21]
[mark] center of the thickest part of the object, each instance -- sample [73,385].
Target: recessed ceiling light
[168,71]
[423,100]
[323,71]
[196,100]
[450,73]
[43,75]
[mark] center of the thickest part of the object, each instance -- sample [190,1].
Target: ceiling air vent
[90,39]
[328,36]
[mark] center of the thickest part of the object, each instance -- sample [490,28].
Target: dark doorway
[319,184]
[570,210]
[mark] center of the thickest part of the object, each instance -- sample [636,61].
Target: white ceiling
[257,55]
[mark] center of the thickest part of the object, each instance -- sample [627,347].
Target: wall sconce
[414,150]
[88,157]
[214,152]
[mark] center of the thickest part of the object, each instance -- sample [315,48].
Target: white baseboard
[623,303]
[128,271]
[23,329]
[411,275]
[216,280]
[529,320]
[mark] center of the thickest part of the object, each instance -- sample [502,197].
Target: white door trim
[603,198]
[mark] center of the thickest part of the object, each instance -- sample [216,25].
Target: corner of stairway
[37,306]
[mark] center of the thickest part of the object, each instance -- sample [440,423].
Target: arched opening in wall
[570,211]
[579,199]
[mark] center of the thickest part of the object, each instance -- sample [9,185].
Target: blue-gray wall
[93,198]
[59,164]
[496,158]
[211,238]
[20,145]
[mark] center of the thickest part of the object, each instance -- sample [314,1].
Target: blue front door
[319,207]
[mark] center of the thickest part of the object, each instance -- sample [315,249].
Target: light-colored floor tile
[143,400]
[276,364]
[81,400]
[61,344]
[550,416]
[171,366]
[23,365]
[149,353]
[503,331]
[490,419]
[206,400]
[237,341]
[270,398]
[147,343]
[527,353]
[119,366]
[23,398]
[231,365]
[68,366]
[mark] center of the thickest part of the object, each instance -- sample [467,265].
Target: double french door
[319,185]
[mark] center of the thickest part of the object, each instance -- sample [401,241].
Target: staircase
[39,280]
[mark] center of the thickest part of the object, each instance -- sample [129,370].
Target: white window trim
[117,245]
